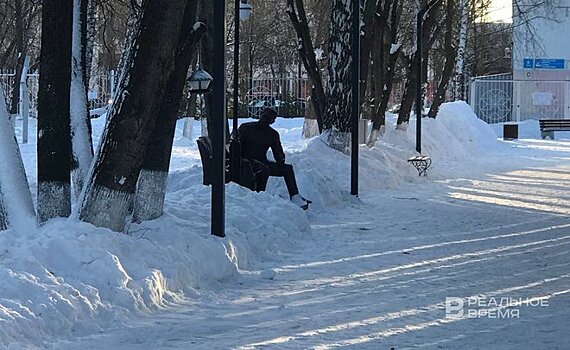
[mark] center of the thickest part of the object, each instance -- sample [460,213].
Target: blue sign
[549,63]
[528,63]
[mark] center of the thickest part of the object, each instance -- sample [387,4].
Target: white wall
[543,33]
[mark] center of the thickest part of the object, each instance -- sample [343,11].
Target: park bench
[421,163]
[549,126]
[247,178]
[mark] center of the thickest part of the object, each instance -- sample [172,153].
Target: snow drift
[69,278]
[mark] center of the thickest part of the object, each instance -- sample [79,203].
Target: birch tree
[79,113]
[459,81]
[16,207]
[54,141]
[336,120]
[110,190]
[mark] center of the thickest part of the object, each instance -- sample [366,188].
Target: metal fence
[99,93]
[287,95]
[498,101]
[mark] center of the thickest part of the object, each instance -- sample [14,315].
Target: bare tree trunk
[391,54]
[459,88]
[336,122]
[21,55]
[110,190]
[151,187]
[80,120]
[16,206]
[298,17]
[428,32]
[90,38]
[54,141]
[450,55]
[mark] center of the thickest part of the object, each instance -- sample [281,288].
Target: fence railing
[497,101]
[99,93]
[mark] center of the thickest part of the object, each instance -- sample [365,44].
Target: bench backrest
[205,148]
[556,124]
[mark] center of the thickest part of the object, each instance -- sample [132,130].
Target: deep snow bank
[455,138]
[69,278]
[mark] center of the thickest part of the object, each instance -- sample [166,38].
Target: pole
[219,121]
[355,96]
[24,99]
[419,87]
[419,105]
[235,146]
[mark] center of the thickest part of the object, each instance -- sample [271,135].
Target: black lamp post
[218,120]
[242,12]
[419,93]
[355,96]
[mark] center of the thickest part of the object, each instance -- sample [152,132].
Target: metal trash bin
[510,131]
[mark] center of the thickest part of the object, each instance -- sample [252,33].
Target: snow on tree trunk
[54,138]
[108,195]
[459,91]
[129,46]
[79,113]
[151,187]
[16,206]
[336,120]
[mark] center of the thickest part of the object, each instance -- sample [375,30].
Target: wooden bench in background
[549,126]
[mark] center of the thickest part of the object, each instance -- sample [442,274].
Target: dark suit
[256,139]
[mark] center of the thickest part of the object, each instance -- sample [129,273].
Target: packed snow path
[375,275]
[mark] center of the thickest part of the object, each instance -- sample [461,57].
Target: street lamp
[242,12]
[419,94]
[199,82]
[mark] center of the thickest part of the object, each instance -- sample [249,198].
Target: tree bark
[79,112]
[450,55]
[16,206]
[459,88]
[54,141]
[389,60]
[110,190]
[20,55]
[298,18]
[336,121]
[429,25]
[151,187]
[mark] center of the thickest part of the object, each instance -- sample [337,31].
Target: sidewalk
[376,275]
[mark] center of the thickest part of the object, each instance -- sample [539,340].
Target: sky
[501,11]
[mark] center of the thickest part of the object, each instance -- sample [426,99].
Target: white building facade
[541,59]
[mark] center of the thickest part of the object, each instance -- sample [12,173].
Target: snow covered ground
[489,226]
